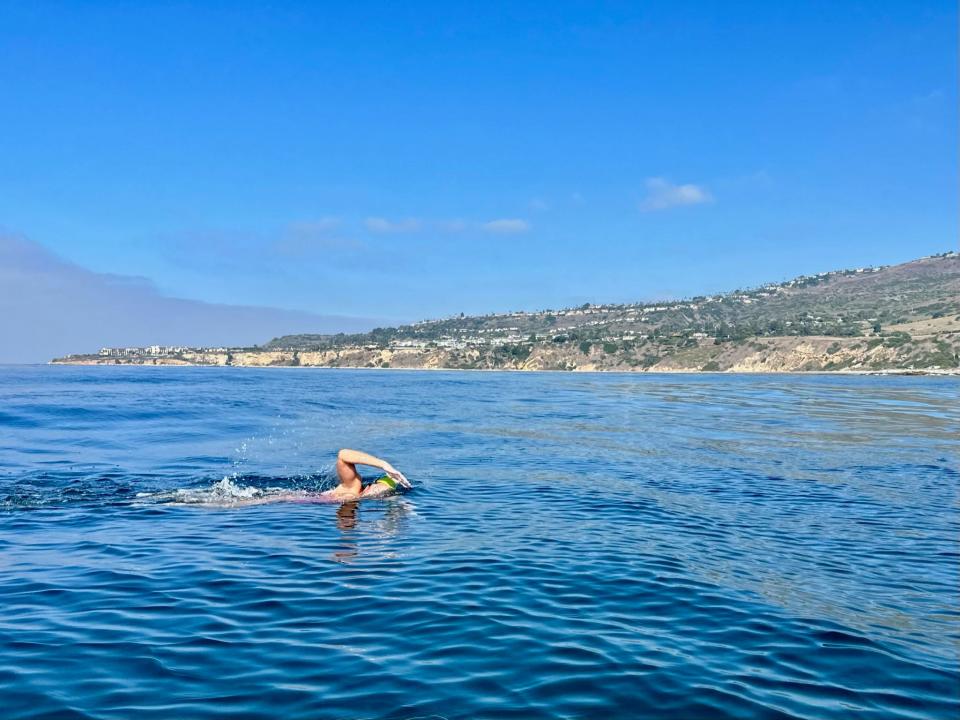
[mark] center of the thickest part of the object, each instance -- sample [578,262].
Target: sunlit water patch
[575,546]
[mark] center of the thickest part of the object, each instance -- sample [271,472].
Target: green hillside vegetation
[900,317]
[869,303]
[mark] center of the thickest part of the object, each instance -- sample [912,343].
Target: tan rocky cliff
[933,346]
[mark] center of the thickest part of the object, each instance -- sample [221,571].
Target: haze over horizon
[213,174]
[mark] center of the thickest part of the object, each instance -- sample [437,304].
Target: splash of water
[230,490]
[226,491]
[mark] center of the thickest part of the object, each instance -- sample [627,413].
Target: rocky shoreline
[764,355]
[903,318]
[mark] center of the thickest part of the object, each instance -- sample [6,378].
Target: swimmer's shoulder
[338,493]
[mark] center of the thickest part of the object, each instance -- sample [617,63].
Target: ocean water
[576,546]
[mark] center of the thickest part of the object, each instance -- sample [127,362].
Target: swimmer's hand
[397,475]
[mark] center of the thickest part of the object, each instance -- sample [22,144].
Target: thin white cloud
[662,195]
[305,237]
[539,205]
[314,227]
[294,245]
[506,226]
[451,226]
[382,225]
[499,226]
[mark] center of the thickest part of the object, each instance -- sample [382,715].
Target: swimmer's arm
[355,457]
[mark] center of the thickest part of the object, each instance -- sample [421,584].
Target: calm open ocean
[577,546]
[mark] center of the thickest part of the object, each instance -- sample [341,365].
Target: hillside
[898,317]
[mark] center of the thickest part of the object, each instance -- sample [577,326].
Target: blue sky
[397,161]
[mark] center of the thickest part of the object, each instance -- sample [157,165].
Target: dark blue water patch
[13,420]
[651,635]
[576,546]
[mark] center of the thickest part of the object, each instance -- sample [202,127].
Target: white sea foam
[225,492]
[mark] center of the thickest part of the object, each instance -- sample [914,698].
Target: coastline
[914,372]
[900,320]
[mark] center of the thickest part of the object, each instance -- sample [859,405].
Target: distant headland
[897,318]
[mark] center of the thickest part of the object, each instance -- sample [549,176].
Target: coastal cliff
[897,318]
[773,354]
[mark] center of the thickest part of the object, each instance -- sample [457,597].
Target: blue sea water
[576,546]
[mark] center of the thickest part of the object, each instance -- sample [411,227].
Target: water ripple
[576,546]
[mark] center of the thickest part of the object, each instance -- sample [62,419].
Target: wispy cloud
[662,195]
[308,236]
[49,306]
[500,226]
[506,226]
[450,226]
[314,227]
[382,225]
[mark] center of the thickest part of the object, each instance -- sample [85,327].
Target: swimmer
[350,489]
[351,484]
